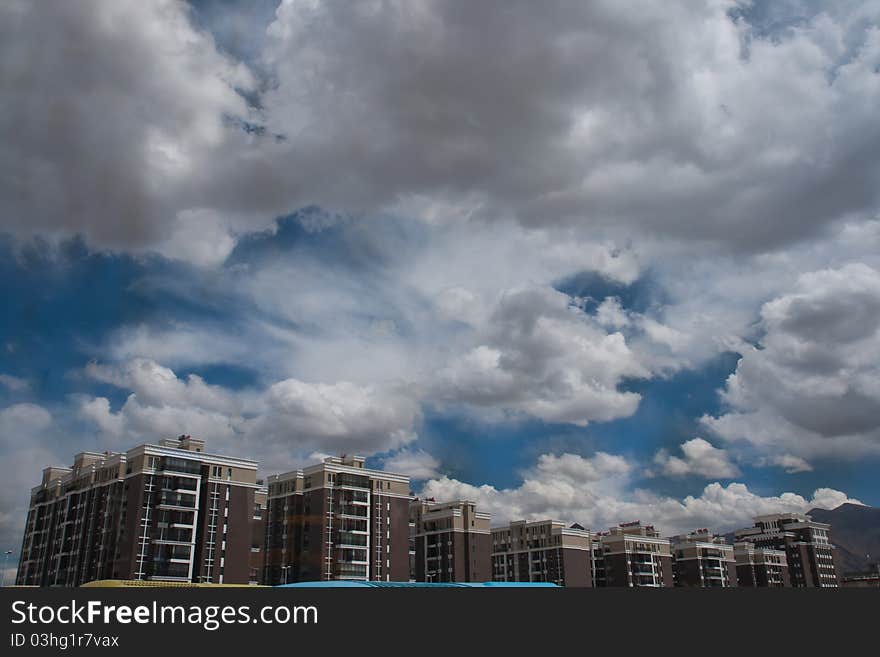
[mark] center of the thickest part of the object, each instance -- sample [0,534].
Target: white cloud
[280,425]
[610,314]
[28,439]
[24,420]
[416,463]
[699,457]
[542,357]
[812,389]
[550,492]
[155,385]
[664,335]
[577,469]
[791,464]
[179,344]
[340,416]
[199,237]
[14,383]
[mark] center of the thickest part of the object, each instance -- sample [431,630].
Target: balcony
[354,497]
[350,571]
[178,500]
[350,538]
[170,570]
[352,555]
[643,572]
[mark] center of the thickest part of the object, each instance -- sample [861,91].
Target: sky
[595,261]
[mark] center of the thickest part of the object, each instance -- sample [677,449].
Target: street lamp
[5,564]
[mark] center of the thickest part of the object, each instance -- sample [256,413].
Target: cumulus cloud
[199,237]
[699,457]
[542,357]
[611,314]
[119,118]
[27,435]
[549,491]
[287,421]
[417,463]
[812,388]
[340,416]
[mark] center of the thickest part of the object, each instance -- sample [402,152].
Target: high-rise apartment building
[450,542]
[165,511]
[703,560]
[337,520]
[542,551]
[258,535]
[812,559]
[633,555]
[760,567]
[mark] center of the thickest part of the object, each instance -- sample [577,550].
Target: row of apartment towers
[172,512]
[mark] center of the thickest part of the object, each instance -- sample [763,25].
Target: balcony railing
[349,538]
[177,499]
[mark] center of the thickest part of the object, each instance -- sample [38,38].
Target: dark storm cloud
[110,110]
[598,114]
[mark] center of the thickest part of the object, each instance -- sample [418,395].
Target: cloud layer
[573,488]
[678,121]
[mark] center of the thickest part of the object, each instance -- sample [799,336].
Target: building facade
[450,542]
[543,551]
[760,567]
[811,558]
[337,520]
[166,511]
[258,535]
[633,555]
[702,560]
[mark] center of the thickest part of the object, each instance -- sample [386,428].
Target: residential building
[542,551]
[450,542]
[597,562]
[258,535]
[810,555]
[166,511]
[702,560]
[337,520]
[760,567]
[633,555]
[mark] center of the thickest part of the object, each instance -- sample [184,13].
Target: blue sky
[641,285]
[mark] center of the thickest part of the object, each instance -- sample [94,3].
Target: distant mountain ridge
[855,530]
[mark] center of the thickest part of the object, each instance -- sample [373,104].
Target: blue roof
[354,584]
